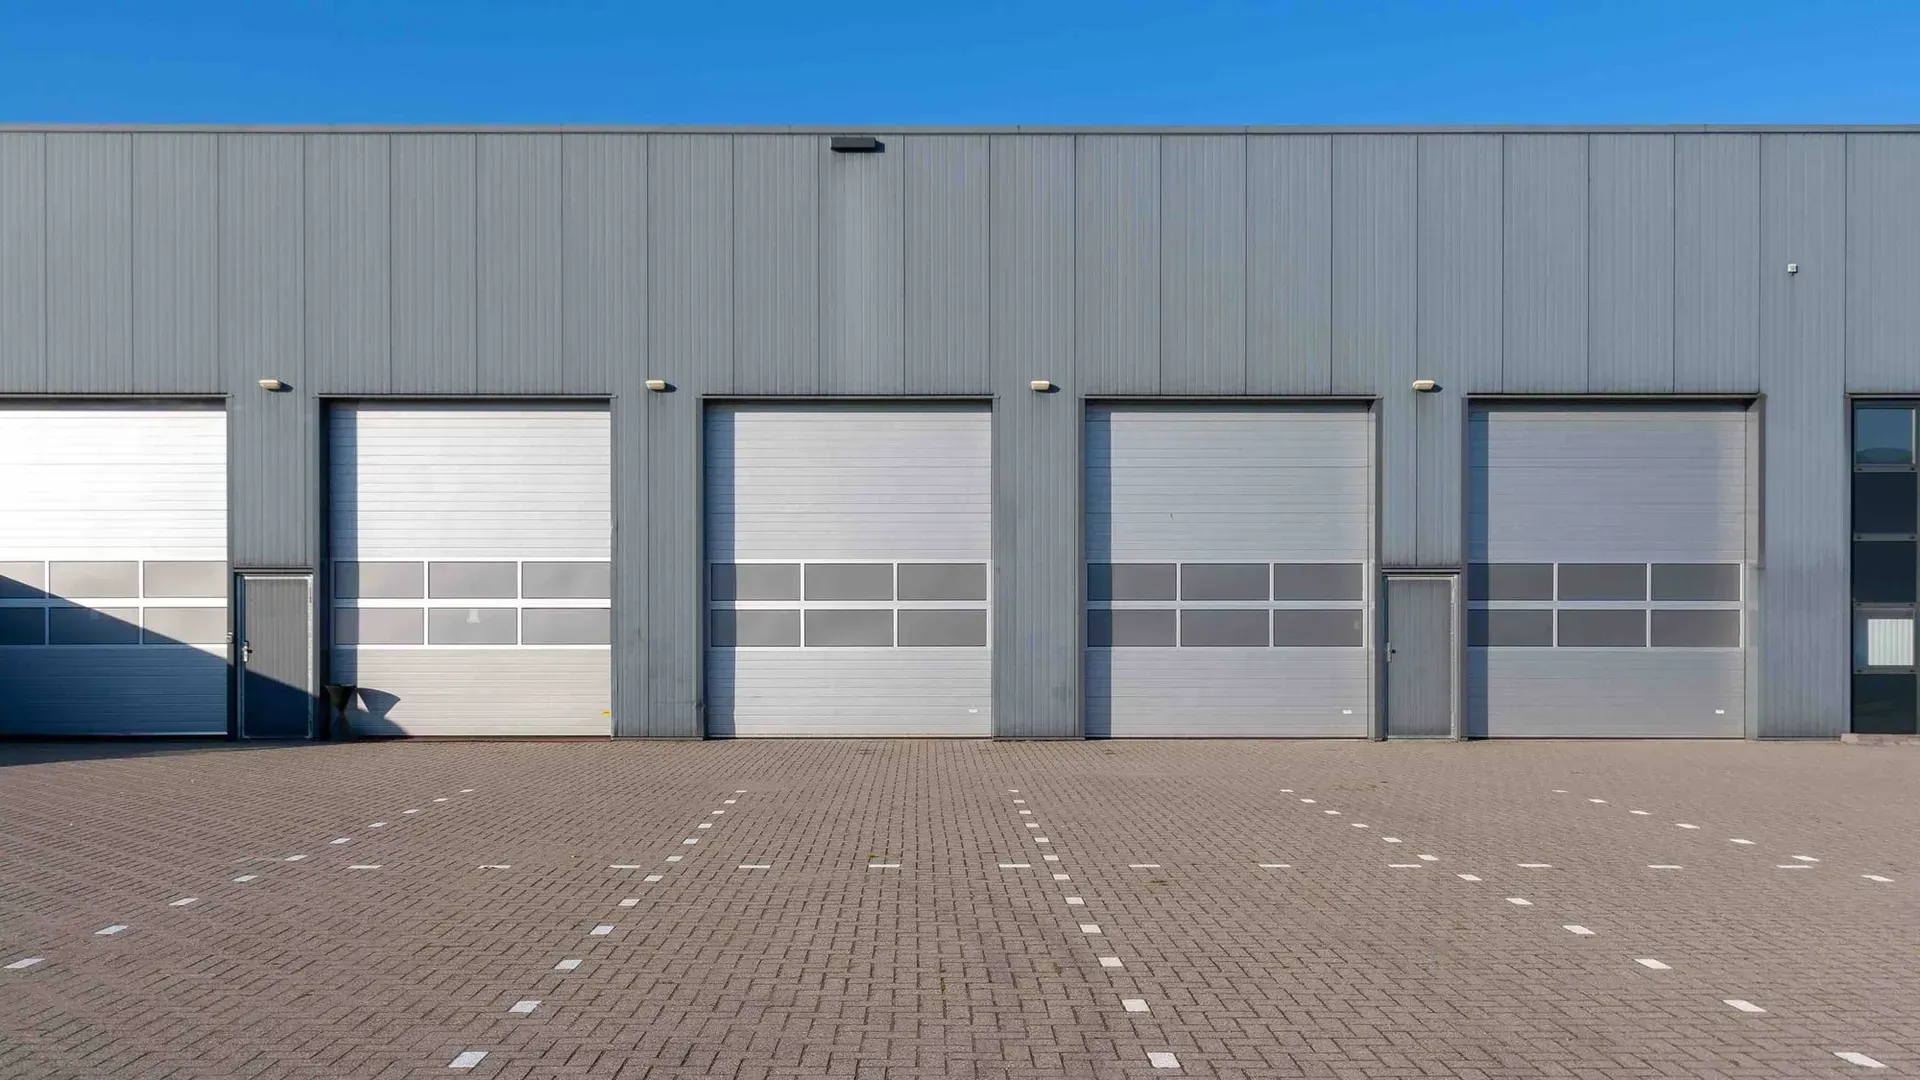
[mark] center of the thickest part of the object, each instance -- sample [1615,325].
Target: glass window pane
[943,581]
[849,581]
[1884,704]
[1132,581]
[1883,571]
[1223,581]
[1696,581]
[1603,581]
[1318,581]
[754,581]
[729,629]
[1883,502]
[1882,436]
[1124,628]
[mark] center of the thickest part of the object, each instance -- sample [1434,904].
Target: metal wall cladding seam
[478,691]
[1203,264]
[862,252]
[776,264]
[349,268]
[1375,306]
[1117,234]
[883,483]
[1607,484]
[1546,265]
[89,263]
[603,263]
[1716,260]
[945,253]
[632,574]
[1036,439]
[520,192]
[1804,584]
[469,482]
[1630,282]
[23,262]
[1883,263]
[435,256]
[275,465]
[1289,264]
[1458,334]
[175,263]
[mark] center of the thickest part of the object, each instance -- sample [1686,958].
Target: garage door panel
[1606,693]
[902,691]
[479,691]
[1227,692]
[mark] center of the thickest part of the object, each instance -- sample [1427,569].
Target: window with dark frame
[1885,568]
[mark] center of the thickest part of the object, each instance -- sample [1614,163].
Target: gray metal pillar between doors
[275,655]
[1419,657]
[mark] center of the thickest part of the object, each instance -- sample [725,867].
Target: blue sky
[914,62]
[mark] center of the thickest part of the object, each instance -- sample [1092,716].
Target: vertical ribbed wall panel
[1883,263]
[273,464]
[23,262]
[1546,265]
[776,264]
[1804,585]
[690,281]
[435,280]
[1459,325]
[862,290]
[349,263]
[1716,263]
[1630,282]
[175,265]
[1289,264]
[1116,224]
[1375,304]
[604,266]
[520,275]
[90,263]
[945,252]
[1036,440]
[1203,265]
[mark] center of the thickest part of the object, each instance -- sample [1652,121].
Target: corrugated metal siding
[862,290]
[945,272]
[1203,267]
[1546,265]
[1883,263]
[776,264]
[262,334]
[1804,584]
[90,263]
[604,293]
[435,282]
[485,688]
[1630,318]
[1290,264]
[175,263]
[521,275]
[1716,264]
[1036,440]
[1116,227]
[675,621]
[1459,336]
[632,576]
[23,262]
[349,274]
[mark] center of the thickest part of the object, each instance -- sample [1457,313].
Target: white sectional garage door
[113,570]
[1606,583]
[848,552]
[1228,571]
[470,567]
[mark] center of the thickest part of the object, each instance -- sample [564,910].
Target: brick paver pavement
[884,909]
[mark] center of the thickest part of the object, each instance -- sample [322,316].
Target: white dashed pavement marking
[1404,865]
[1876,877]
[1534,866]
[376,825]
[602,930]
[1640,813]
[1075,901]
[1855,1057]
[567,965]
[109,931]
[1805,858]
[883,866]
[1051,858]
[1110,961]
[690,840]
[525,1007]
[1792,866]
[467,1059]
[1335,813]
[1160,1059]
[675,858]
[466,791]
[1684,825]
[1559,791]
[22,965]
[1466,877]
[631,901]
[244,878]
[1650,962]
[704,825]
[1308,800]
[1391,839]
[1743,1005]
[623,866]
[1063,877]
[1577,930]
[1134,1004]
[717,813]
[1519,901]
[756,866]
[1041,840]
[409,811]
[653,877]
[1089,928]
[496,866]
[1596,800]
[364,866]
[341,840]
[1665,866]
[1143,866]
[1428,858]
[442,798]
[1016,866]
[1275,866]
[728,802]
[1737,840]
[184,901]
[293,858]
[1359,825]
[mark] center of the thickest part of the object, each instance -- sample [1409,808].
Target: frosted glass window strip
[1889,641]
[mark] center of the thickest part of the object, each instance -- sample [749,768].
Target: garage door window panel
[1224,581]
[23,580]
[1603,581]
[1703,582]
[566,580]
[748,628]
[473,581]
[1132,628]
[91,580]
[379,626]
[473,626]
[1510,581]
[754,581]
[942,581]
[1319,581]
[849,581]
[93,626]
[379,580]
[1133,581]
[23,626]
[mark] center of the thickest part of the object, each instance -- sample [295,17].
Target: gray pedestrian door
[275,653]
[1420,657]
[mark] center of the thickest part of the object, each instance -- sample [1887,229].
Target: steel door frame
[238,658]
[1383,723]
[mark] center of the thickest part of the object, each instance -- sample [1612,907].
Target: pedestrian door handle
[1389,652]
[246,651]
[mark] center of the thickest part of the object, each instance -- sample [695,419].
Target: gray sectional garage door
[470,577]
[848,552]
[1228,571]
[113,570]
[1607,577]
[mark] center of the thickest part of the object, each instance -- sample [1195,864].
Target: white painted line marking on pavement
[341,840]
[1428,858]
[1855,1057]
[1534,866]
[1143,866]
[1286,791]
[1013,791]
[1309,800]
[1664,866]
[1641,813]
[1391,839]
[22,965]
[293,858]
[1737,840]
[1019,802]
[650,878]
[1026,811]
[704,825]
[1051,858]
[1519,901]
[602,930]
[466,791]
[1109,961]
[1743,1005]
[1596,800]
[1577,929]
[525,1007]
[1466,877]
[244,878]
[623,866]
[1160,1059]
[756,866]
[1806,858]
[1089,928]
[1063,877]
[1358,825]
[691,840]
[1559,791]
[739,791]
[364,866]
[1404,866]
[468,1059]
[1075,901]
[1041,840]
[377,825]
[566,965]
[1016,866]
[675,858]
[1792,866]
[728,802]
[409,811]
[442,798]
[1276,866]
[1134,1004]
[631,901]
[184,901]
[1650,962]
[109,931]
[717,813]
[1684,825]
[883,866]
[1876,877]
[1335,813]
[496,866]
[1033,824]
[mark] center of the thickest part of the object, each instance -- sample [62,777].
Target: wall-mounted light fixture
[1425,386]
[1040,386]
[658,386]
[857,144]
[272,386]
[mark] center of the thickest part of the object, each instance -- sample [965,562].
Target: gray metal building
[1014,432]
